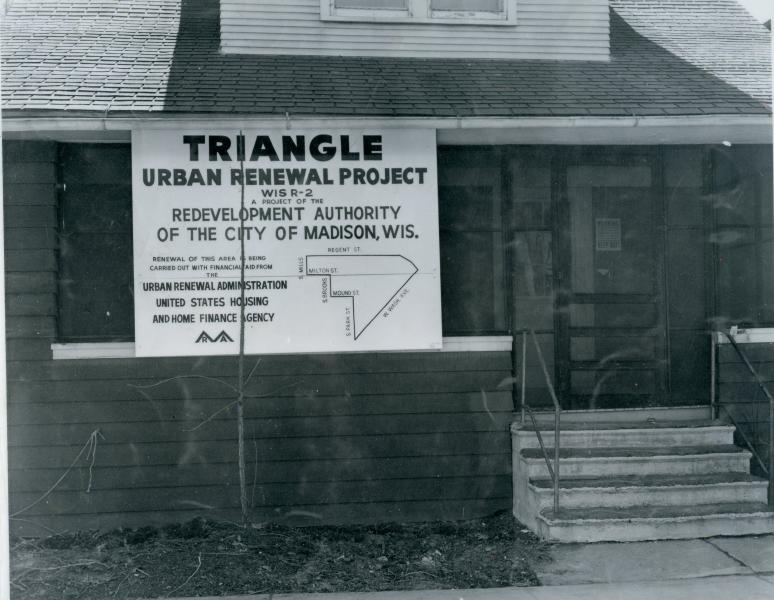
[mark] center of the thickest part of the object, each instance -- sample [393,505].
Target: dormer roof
[163,56]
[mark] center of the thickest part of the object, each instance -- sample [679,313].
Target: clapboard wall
[330,438]
[741,396]
[554,30]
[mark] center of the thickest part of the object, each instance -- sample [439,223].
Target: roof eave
[584,130]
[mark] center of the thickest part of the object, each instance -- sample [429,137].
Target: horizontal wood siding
[330,438]
[554,29]
[368,437]
[738,392]
[30,211]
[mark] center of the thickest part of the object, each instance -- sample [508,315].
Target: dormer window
[492,12]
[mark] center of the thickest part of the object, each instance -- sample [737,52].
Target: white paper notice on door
[608,235]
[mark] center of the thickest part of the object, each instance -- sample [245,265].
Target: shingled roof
[151,56]
[717,35]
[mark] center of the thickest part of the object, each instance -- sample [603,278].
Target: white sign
[608,235]
[340,231]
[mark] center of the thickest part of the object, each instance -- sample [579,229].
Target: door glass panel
[611,382]
[612,241]
[623,265]
[533,280]
[613,315]
[589,348]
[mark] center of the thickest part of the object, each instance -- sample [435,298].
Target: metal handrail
[745,439]
[531,414]
[770,470]
[553,472]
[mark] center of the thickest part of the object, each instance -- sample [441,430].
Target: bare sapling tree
[241,358]
[242,379]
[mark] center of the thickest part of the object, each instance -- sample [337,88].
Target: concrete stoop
[638,480]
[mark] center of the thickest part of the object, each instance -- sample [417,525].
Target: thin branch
[411,573]
[90,443]
[43,527]
[181,377]
[255,473]
[85,563]
[212,416]
[93,452]
[145,395]
[241,366]
[235,402]
[250,374]
[118,587]
[190,577]
[274,391]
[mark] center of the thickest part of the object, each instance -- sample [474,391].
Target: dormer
[474,29]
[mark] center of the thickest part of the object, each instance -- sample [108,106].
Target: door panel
[612,349]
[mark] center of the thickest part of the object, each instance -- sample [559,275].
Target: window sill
[488,343]
[751,335]
[93,350]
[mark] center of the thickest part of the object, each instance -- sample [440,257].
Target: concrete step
[679,460]
[626,434]
[649,490]
[655,522]
[672,413]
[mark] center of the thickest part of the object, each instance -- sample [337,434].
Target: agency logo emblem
[205,338]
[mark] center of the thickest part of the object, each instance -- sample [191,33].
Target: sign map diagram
[371,281]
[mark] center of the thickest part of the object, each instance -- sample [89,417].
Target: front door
[610,323]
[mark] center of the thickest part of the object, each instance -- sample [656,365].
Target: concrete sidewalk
[610,562]
[742,587]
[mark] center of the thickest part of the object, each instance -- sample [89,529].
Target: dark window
[95,249]
[471,232]
[739,189]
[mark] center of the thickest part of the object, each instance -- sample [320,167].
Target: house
[413,183]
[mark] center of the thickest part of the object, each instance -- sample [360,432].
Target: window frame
[475,161]
[419,12]
[452,343]
[69,329]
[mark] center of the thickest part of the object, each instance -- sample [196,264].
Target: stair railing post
[556,463]
[557,411]
[713,375]
[523,373]
[771,451]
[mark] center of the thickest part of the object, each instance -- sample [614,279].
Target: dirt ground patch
[205,558]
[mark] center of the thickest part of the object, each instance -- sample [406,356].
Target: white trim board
[627,415]
[754,335]
[96,350]
[717,129]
